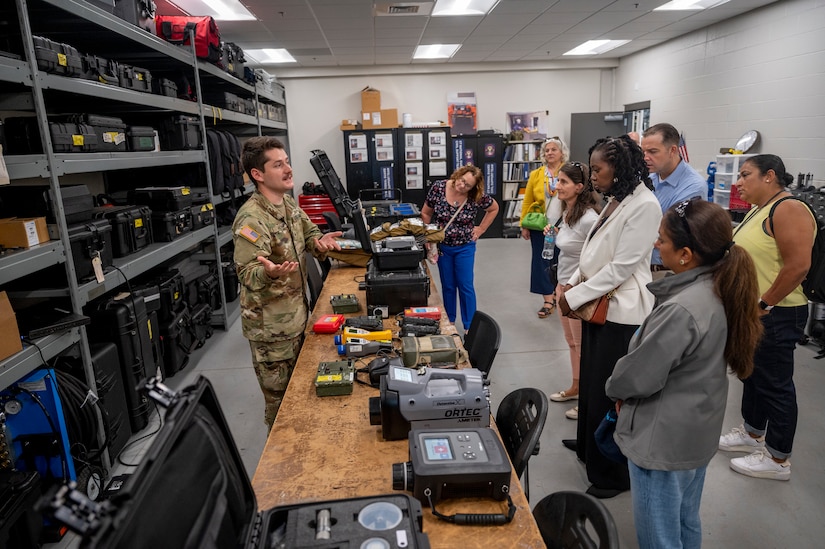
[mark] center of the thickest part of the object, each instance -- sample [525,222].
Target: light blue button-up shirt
[683,184]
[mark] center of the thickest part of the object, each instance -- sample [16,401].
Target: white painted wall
[316,105]
[764,70]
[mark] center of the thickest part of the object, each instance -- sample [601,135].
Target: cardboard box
[370,100]
[350,124]
[9,332]
[21,232]
[385,118]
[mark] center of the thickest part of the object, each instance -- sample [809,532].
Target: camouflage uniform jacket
[272,309]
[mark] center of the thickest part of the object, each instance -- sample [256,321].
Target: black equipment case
[112,393]
[177,337]
[191,490]
[203,215]
[110,131]
[23,137]
[123,320]
[134,78]
[165,86]
[57,58]
[162,199]
[180,133]
[131,227]
[140,13]
[100,69]
[397,290]
[88,240]
[224,100]
[140,138]
[167,226]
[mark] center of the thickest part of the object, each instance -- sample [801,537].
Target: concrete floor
[737,511]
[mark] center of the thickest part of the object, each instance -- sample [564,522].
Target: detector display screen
[438,449]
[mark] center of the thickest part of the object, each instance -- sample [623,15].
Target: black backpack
[814,283]
[216,169]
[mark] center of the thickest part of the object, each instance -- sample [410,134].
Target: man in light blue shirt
[674,180]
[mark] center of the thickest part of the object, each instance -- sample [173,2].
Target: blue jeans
[769,395]
[542,278]
[455,268]
[666,507]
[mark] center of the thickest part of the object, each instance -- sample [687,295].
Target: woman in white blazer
[616,254]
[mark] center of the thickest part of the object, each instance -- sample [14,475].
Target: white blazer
[618,256]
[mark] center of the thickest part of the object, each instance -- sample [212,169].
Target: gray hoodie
[673,380]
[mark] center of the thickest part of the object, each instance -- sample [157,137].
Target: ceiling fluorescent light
[436,51]
[596,47]
[690,5]
[269,55]
[463,7]
[222,10]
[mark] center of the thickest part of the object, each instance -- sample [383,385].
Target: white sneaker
[738,440]
[760,465]
[572,413]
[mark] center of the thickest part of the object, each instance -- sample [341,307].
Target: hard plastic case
[140,138]
[110,131]
[165,86]
[134,78]
[180,133]
[36,200]
[167,226]
[195,458]
[203,215]
[177,337]
[89,240]
[131,227]
[140,13]
[99,69]
[123,320]
[162,199]
[397,289]
[23,137]
[57,58]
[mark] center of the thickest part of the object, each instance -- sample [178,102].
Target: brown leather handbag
[594,311]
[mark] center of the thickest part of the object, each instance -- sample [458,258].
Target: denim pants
[666,507]
[455,268]
[769,395]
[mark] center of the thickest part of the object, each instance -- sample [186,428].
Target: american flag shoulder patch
[249,233]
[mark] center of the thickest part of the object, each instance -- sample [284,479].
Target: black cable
[147,435]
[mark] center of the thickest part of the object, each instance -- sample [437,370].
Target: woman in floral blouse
[462,193]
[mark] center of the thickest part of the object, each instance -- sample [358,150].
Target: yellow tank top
[765,254]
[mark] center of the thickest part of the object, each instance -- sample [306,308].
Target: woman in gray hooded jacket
[671,388]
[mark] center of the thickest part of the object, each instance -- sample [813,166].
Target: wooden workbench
[323,448]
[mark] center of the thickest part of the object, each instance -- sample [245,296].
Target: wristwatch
[764,306]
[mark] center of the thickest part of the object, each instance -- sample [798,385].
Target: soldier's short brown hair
[254,153]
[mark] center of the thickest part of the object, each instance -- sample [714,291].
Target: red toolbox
[314,206]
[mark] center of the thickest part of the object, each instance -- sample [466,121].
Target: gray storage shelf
[85,13]
[27,165]
[28,360]
[137,264]
[115,93]
[224,236]
[71,163]
[14,70]
[17,264]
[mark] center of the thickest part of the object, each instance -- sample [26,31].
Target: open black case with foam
[191,491]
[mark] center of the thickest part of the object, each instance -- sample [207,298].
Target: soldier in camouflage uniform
[271,234]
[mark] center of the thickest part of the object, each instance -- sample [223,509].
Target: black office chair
[520,419]
[315,279]
[482,341]
[567,519]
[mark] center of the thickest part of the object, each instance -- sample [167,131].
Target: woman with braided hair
[615,256]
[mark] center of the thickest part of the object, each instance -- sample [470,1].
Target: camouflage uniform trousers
[274,362]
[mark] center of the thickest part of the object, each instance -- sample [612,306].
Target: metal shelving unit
[17,264]
[25,87]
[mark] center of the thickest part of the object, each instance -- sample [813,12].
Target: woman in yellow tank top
[781,252]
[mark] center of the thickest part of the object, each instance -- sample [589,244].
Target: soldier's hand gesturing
[274,270]
[328,242]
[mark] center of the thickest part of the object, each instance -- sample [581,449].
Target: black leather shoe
[570,444]
[603,493]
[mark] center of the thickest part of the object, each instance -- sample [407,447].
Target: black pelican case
[162,199]
[89,240]
[131,227]
[167,226]
[396,289]
[191,491]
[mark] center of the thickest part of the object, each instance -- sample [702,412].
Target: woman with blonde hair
[541,189]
